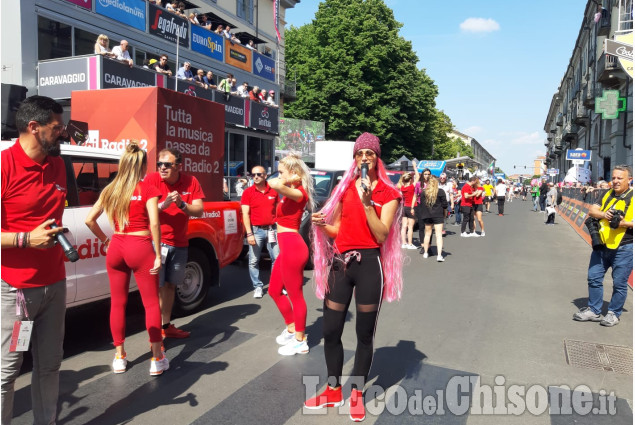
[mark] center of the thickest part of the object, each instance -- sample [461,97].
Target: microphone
[69,251]
[364,175]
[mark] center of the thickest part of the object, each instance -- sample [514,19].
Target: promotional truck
[155,118]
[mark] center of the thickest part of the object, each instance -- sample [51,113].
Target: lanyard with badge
[22,329]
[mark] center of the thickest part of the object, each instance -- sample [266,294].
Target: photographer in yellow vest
[615,215]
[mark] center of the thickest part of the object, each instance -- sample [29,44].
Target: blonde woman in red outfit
[295,186]
[132,209]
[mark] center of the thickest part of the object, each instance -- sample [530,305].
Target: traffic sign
[578,155]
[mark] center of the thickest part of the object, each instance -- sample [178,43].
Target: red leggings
[135,254]
[288,273]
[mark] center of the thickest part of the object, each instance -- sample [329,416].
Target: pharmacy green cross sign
[608,104]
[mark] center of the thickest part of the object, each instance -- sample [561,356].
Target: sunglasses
[165,164]
[259,174]
[369,154]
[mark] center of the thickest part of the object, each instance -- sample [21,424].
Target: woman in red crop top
[132,210]
[356,248]
[296,188]
[407,188]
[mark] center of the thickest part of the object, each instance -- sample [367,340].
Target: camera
[618,215]
[593,226]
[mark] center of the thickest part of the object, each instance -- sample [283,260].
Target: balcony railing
[570,131]
[58,78]
[609,68]
[579,114]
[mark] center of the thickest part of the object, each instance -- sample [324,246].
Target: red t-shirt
[408,192]
[262,205]
[289,212]
[466,190]
[138,219]
[354,231]
[31,194]
[478,200]
[173,219]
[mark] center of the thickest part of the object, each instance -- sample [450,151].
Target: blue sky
[497,64]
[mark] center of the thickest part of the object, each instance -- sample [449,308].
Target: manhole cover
[590,355]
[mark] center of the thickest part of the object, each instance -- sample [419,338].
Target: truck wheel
[192,292]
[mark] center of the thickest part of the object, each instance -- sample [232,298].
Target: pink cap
[367,141]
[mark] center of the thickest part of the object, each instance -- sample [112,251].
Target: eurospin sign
[207,43]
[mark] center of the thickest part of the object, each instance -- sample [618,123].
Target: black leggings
[501,205]
[365,277]
[468,219]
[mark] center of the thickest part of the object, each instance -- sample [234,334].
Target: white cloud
[528,138]
[479,25]
[473,130]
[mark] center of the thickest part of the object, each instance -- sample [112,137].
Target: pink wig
[391,257]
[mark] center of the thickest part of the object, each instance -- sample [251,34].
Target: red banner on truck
[158,118]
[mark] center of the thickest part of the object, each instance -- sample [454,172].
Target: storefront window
[253,153]
[235,155]
[267,154]
[84,42]
[54,39]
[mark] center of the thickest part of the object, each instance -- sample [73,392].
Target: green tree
[355,73]
[446,147]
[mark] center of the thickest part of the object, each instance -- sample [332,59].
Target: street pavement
[497,312]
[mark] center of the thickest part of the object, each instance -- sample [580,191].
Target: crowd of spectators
[178,8]
[199,77]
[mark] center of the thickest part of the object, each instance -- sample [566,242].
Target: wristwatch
[183,206]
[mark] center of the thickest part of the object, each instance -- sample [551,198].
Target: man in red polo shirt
[468,191]
[33,272]
[181,198]
[258,204]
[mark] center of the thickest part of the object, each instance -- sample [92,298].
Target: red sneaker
[174,332]
[329,398]
[357,410]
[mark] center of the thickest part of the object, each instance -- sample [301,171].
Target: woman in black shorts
[356,248]
[433,203]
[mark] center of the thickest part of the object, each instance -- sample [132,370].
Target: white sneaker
[119,364]
[465,235]
[158,366]
[482,234]
[473,235]
[294,347]
[425,255]
[440,258]
[404,246]
[285,337]
[258,292]
[412,247]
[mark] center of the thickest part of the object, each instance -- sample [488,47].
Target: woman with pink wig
[356,248]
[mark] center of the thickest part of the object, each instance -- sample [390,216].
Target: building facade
[539,166]
[38,32]
[482,158]
[572,122]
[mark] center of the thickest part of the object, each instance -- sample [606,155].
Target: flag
[276,17]
[490,169]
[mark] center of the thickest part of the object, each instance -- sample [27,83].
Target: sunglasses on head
[165,164]
[259,174]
